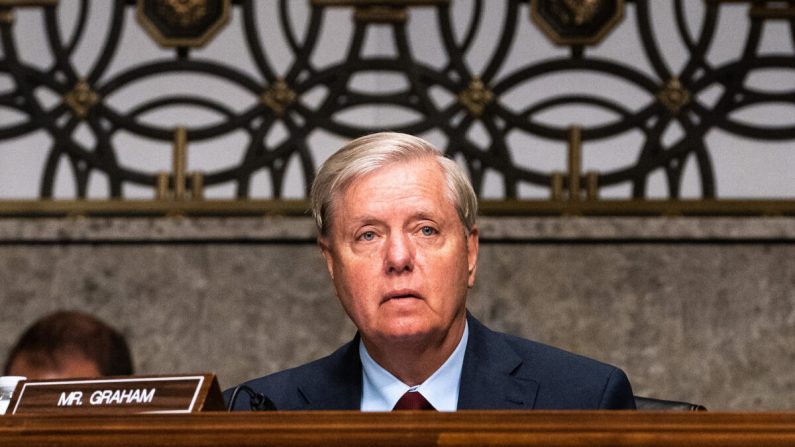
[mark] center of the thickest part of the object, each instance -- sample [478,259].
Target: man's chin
[407,333]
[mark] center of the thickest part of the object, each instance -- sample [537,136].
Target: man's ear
[325,248]
[472,255]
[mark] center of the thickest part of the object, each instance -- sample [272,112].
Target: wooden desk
[496,428]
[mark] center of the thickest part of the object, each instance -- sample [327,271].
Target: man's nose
[399,254]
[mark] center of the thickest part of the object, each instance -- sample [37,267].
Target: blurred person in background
[69,344]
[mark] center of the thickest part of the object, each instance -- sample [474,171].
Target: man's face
[399,256]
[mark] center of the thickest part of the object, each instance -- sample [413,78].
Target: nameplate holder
[190,393]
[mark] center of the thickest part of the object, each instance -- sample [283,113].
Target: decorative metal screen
[564,101]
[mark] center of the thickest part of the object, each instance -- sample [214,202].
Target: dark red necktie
[413,400]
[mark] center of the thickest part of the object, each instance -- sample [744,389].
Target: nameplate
[117,395]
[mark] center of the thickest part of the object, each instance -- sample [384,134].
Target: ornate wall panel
[564,100]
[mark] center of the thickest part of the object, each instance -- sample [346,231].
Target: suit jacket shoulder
[507,372]
[329,383]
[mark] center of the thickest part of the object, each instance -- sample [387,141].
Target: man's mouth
[402,294]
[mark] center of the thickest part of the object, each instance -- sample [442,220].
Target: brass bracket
[556,188]
[576,22]
[773,10]
[674,96]
[174,185]
[476,97]
[574,162]
[380,11]
[7,8]
[26,3]
[183,23]
[81,99]
[278,97]
[6,16]
[573,179]
[381,14]
[592,185]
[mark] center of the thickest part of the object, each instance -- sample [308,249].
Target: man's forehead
[425,169]
[415,178]
[349,203]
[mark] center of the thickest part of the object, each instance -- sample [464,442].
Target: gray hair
[372,152]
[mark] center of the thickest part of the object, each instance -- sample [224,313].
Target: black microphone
[257,401]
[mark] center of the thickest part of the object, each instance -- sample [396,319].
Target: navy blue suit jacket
[500,372]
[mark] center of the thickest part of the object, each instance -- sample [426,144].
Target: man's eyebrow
[366,219]
[423,215]
[427,213]
[369,219]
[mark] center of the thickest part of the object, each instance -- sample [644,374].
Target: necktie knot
[413,400]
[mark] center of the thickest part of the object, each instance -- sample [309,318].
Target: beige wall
[693,309]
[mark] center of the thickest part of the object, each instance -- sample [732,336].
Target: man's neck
[413,361]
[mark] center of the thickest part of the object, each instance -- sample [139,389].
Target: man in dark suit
[397,227]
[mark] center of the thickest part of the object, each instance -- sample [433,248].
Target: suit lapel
[492,376]
[336,384]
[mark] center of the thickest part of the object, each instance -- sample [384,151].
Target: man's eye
[367,236]
[428,231]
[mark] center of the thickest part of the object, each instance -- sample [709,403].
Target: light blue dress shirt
[381,390]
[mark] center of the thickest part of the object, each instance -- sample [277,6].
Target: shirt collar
[381,390]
